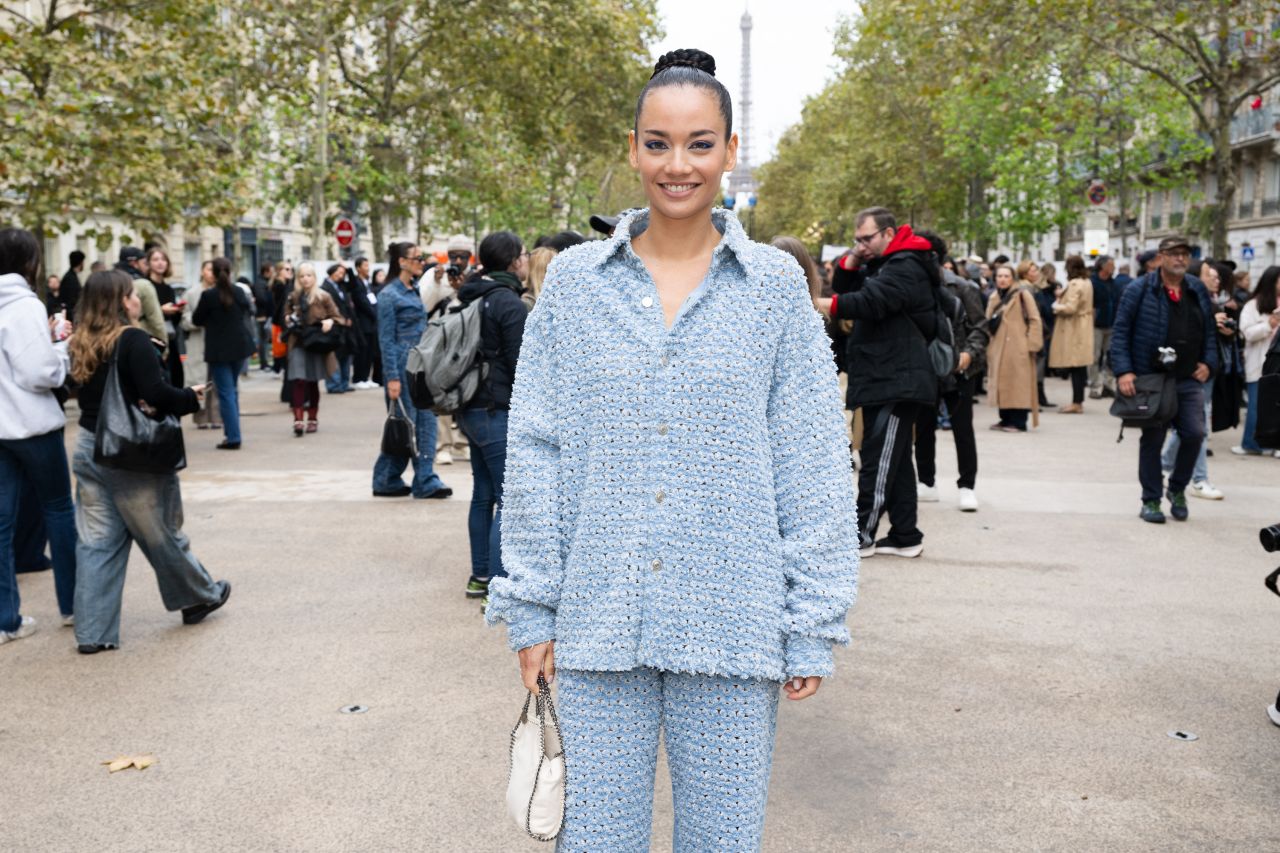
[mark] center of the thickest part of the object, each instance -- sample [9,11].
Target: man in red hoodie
[887,286]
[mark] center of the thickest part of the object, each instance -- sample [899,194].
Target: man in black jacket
[340,381]
[366,324]
[962,304]
[887,285]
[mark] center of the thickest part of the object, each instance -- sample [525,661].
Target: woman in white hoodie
[31,430]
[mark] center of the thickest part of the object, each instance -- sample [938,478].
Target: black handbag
[314,339]
[1154,402]
[398,432]
[129,440]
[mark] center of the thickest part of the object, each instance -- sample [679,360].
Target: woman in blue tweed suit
[679,525]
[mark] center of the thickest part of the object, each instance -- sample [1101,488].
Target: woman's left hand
[802,687]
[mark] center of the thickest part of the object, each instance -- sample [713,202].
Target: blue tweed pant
[719,741]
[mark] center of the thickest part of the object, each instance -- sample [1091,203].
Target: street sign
[344,231]
[1246,253]
[1097,193]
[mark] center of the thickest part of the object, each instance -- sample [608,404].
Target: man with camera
[1165,323]
[442,282]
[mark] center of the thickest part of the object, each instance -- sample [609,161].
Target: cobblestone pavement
[1010,690]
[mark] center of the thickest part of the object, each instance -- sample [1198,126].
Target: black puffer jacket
[892,305]
[501,333]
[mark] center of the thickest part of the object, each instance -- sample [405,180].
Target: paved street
[1010,690]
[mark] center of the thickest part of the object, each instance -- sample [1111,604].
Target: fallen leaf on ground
[124,762]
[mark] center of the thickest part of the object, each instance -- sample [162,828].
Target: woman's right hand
[535,660]
[393,389]
[326,324]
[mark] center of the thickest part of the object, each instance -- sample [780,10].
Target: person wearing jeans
[33,457]
[484,419]
[117,507]
[486,431]
[1165,323]
[402,318]
[223,311]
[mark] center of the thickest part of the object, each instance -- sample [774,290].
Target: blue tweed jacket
[679,499]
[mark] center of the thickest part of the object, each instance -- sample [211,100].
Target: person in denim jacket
[402,318]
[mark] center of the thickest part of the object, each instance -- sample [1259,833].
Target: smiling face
[680,150]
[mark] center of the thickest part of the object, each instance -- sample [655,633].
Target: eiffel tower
[741,179]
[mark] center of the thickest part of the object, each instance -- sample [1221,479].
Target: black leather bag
[398,432]
[315,339]
[129,440]
[1154,402]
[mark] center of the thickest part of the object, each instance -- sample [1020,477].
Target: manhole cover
[353,709]
[1180,735]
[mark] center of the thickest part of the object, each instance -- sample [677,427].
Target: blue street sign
[1246,253]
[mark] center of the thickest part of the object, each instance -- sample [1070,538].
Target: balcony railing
[1155,221]
[1246,210]
[1175,219]
[1270,206]
[1254,124]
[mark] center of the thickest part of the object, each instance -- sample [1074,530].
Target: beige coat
[1072,343]
[1011,355]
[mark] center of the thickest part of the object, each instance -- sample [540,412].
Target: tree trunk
[318,208]
[978,215]
[1221,210]
[377,226]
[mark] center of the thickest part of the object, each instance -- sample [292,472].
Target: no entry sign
[344,231]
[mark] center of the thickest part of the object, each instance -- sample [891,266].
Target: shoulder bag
[535,790]
[129,440]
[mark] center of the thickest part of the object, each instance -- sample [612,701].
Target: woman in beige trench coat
[1016,336]
[1072,346]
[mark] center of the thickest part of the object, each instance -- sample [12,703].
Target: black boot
[1044,403]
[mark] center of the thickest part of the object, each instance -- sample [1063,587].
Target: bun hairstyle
[688,67]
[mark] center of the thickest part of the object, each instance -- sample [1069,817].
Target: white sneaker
[444,457]
[895,551]
[25,628]
[1204,489]
[463,455]
[968,501]
[1274,714]
[1241,451]
[926,494]
[867,551]
[69,621]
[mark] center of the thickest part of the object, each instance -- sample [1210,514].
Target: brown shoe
[1072,409]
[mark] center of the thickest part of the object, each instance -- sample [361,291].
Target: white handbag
[535,791]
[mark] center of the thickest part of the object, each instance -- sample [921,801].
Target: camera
[453,271]
[1230,324]
[1167,357]
[1270,537]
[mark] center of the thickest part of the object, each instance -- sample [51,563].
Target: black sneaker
[439,494]
[888,546]
[1177,505]
[196,613]
[478,588]
[1151,512]
[94,648]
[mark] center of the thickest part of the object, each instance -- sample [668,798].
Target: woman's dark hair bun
[688,57]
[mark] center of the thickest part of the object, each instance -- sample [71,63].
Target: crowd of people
[722,532]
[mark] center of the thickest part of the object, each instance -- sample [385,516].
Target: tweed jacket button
[647,302]
[657,565]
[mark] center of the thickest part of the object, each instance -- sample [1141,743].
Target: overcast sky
[790,54]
